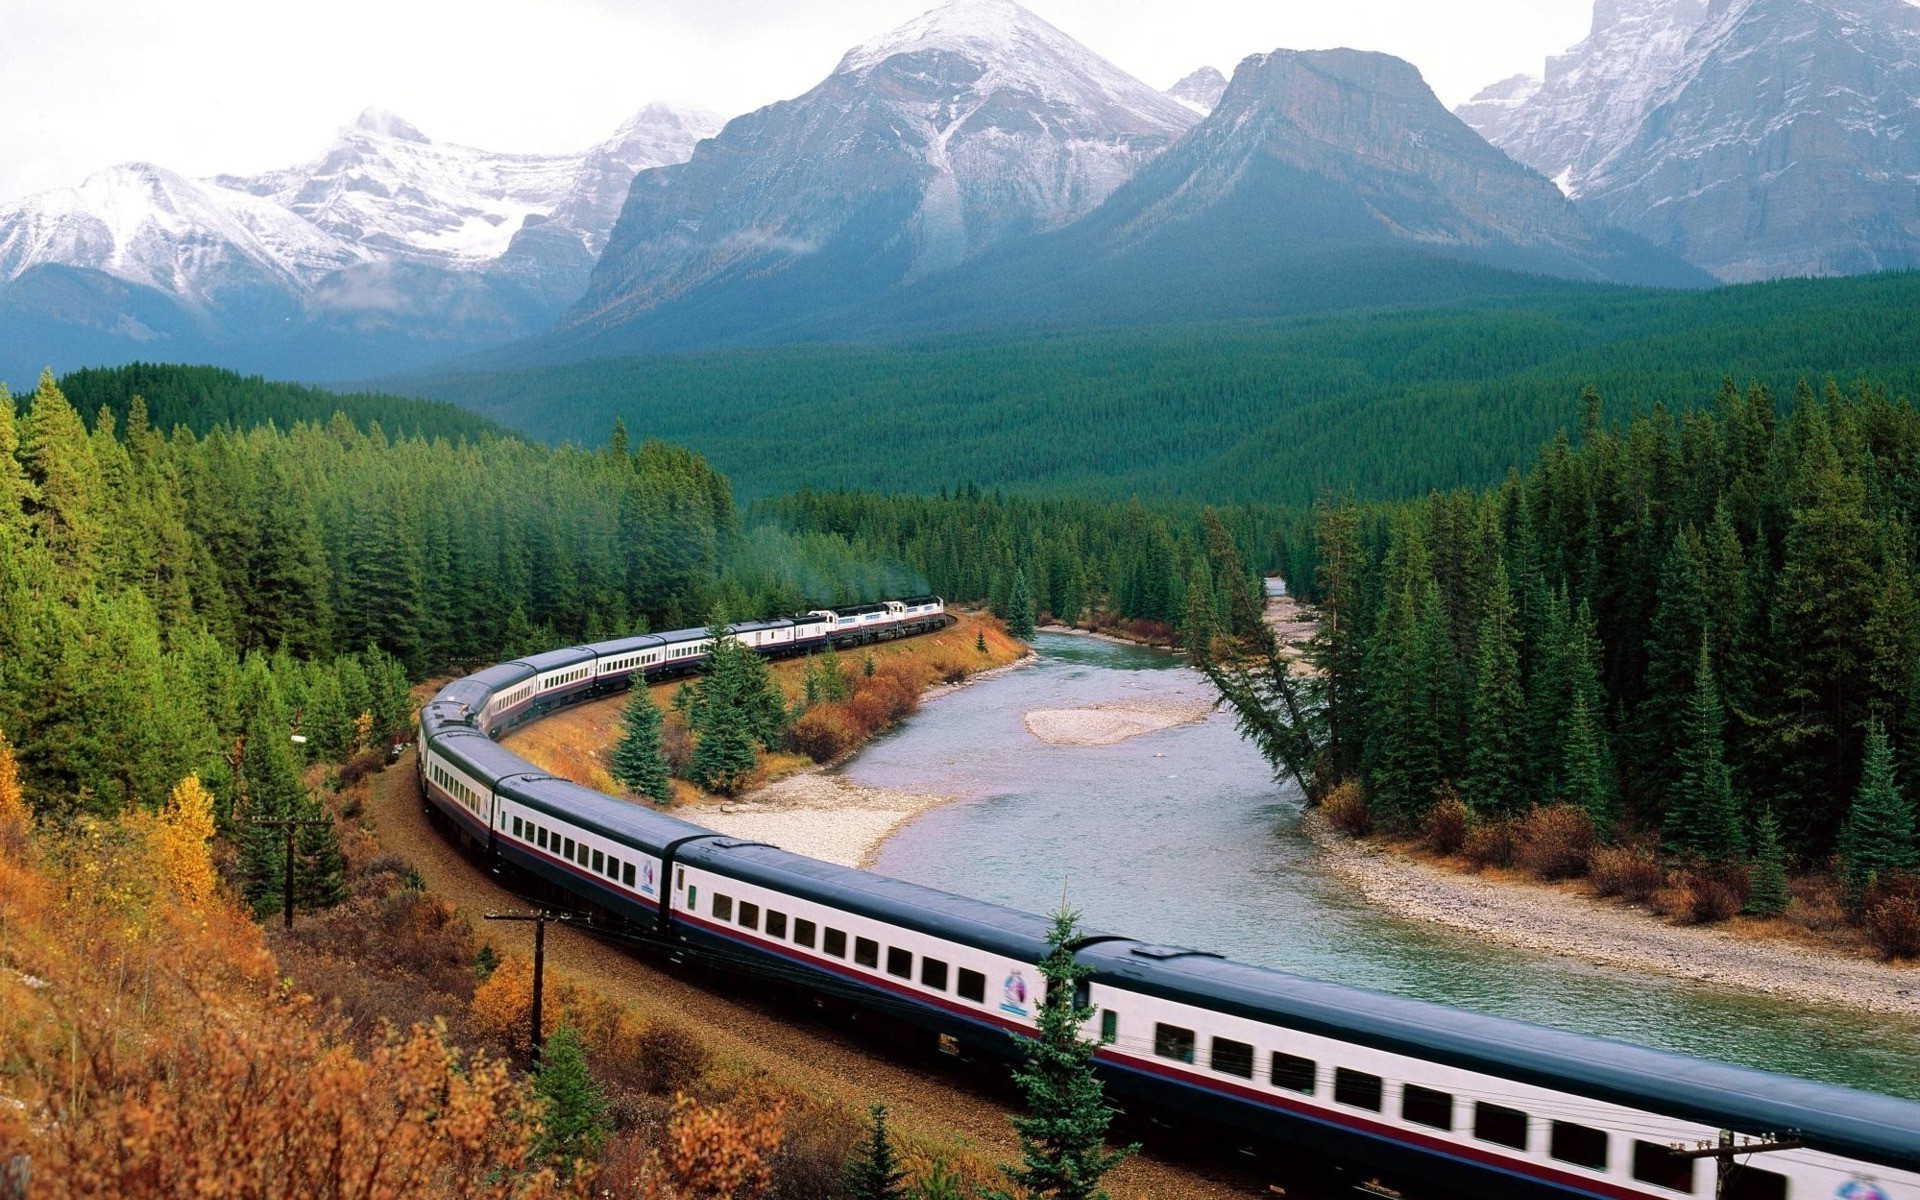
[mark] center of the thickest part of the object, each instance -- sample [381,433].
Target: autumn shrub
[713,1153]
[825,732]
[1489,844]
[1553,842]
[668,1059]
[676,743]
[1445,829]
[1345,809]
[817,1141]
[1630,872]
[1701,895]
[1892,916]
[393,959]
[362,765]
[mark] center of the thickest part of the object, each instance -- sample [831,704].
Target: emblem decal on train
[1013,995]
[646,879]
[1859,1189]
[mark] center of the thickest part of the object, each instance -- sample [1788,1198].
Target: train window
[542,831]
[866,952]
[613,868]
[1293,1073]
[1500,1125]
[568,852]
[1357,1089]
[1171,1041]
[803,931]
[693,898]
[835,943]
[749,915]
[1752,1183]
[899,962]
[933,973]
[722,907]
[1424,1106]
[599,863]
[972,986]
[1654,1163]
[776,924]
[626,874]
[679,877]
[1579,1145]
[1231,1058]
[1109,1027]
[516,827]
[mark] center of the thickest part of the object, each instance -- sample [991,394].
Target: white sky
[205,86]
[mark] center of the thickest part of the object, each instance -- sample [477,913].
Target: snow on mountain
[149,226]
[1200,91]
[974,123]
[1593,96]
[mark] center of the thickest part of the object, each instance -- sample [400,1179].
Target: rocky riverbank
[1550,920]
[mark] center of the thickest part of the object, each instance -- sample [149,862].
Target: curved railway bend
[922,1101]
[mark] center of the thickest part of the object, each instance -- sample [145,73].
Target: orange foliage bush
[1445,829]
[827,731]
[1489,844]
[1346,810]
[1553,842]
[1893,916]
[714,1154]
[1630,872]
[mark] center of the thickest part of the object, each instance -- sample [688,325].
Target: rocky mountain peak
[381,123]
[1200,91]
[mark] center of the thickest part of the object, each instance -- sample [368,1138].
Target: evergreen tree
[1703,818]
[639,763]
[1199,630]
[64,479]
[1769,895]
[874,1173]
[729,713]
[1587,766]
[16,493]
[1020,608]
[979,644]
[940,1184]
[1672,646]
[574,1125]
[1063,1152]
[1877,840]
[1494,753]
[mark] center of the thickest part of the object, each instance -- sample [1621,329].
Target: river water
[1182,837]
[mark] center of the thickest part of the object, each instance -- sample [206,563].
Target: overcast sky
[205,86]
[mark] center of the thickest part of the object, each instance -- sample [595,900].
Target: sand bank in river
[821,816]
[1105,724]
[1543,919]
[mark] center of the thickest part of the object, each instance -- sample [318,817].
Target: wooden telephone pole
[539,917]
[291,825]
[1726,1151]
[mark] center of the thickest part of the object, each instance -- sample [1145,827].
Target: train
[1413,1098]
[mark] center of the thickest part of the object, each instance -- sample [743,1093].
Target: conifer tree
[940,1184]
[1199,630]
[64,501]
[1769,895]
[874,1172]
[1587,767]
[1063,1152]
[729,713]
[574,1125]
[15,492]
[1703,818]
[1494,754]
[1020,608]
[639,763]
[1877,840]
[1672,646]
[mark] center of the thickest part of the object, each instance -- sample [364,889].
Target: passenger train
[1424,1099]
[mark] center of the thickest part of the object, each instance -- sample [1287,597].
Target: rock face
[1200,91]
[387,235]
[973,125]
[1778,139]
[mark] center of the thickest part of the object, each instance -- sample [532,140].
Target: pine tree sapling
[574,1126]
[1769,895]
[1877,841]
[874,1171]
[1020,608]
[1063,1152]
[639,761]
[1703,818]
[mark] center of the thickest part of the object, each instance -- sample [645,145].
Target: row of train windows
[453,787]
[599,862]
[626,664]
[1496,1124]
[934,973]
[687,651]
[569,677]
[509,699]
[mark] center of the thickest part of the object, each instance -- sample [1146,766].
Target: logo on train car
[1859,1189]
[1013,995]
[646,878]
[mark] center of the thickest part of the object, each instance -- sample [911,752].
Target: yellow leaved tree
[180,838]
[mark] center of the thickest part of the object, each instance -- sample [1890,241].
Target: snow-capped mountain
[1592,97]
[1756,138]
[1200,91]
[973,124]
[386,233]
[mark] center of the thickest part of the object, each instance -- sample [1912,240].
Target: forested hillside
[1384,404]
[206,398]
[163,595]
[1693,627]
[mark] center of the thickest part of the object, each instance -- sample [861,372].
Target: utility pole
[539,917]
[291,825]
[1726,1151]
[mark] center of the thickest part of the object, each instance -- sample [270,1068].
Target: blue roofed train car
[964,968]
[1469,1100]
[509,692]
[603,850]
[561,675]
[684,648]
[620,658]
[460,771]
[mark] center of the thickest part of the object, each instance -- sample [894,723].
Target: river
[1183,837]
